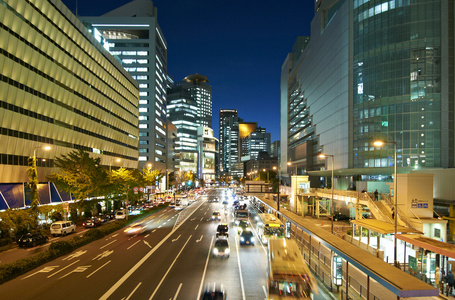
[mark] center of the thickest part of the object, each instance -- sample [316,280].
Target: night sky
[239,45]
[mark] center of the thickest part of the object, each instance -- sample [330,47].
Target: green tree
[33,186]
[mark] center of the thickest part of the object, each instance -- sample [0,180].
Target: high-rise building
[258,142]
[275,149]
[135,38]
[354,82]
[59,87]
[231,158]
[189,104]
[223,114]
[207,153]
[245,129]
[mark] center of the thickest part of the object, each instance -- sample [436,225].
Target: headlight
[237,222]
[252,239]
[227,251]
[215,250]
[242,239]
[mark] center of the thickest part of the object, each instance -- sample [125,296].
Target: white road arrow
[176,238]
[74,255]
[103,255]
[200,239]
[145,242]
[77,270]
[193,219]
[44,270]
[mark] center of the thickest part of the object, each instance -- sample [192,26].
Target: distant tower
[223,115]
[200,91]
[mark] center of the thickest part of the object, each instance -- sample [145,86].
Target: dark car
[213,294]
[32,240]
[93,222]
[246,238]
[222,231]
[243,225]
[104,218]
[340,217]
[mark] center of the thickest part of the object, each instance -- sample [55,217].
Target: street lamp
[395,195]
[331,201]
[110,165]
[278,190]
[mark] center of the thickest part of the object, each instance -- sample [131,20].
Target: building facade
[207,153]
[354,82]
[223,114]
[135,38]
[60,87]
[231,157]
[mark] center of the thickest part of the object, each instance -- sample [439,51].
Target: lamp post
[395,194]
[33,173]
[278,190]
[110,165]
[267,174]
[331,201]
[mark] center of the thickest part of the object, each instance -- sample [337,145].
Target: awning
[426,243]
[383,227]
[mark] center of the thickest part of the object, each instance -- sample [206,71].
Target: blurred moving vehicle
[216,215]
[243,225]
[136,228]
[221,248]
[92,222]
[222,231]
[212,292]
[246,237]
[32,239]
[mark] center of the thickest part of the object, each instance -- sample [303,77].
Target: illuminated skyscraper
[136,39]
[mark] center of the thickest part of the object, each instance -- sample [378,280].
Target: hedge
[60,248]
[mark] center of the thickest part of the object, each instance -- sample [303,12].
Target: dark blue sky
[239,45]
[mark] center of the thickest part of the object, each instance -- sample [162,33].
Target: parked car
[221,248]
[119,215]
[62,228]
[104,218]
[32,240]
[92,222]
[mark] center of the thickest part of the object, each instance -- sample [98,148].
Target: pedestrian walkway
[368,276]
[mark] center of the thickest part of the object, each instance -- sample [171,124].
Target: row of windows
[50,99]
[29,113]
[53,42]
[17,160]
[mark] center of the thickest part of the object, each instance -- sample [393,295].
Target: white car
[178,207]
[136,228]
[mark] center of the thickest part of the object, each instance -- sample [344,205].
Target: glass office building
[371,69]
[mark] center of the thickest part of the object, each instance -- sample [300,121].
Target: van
[121,214]
[62,228]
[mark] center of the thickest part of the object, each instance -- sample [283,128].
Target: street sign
[412,263]
[135,189]
[141,189]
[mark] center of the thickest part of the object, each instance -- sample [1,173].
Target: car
[339,217]
[62,228]
[104,218]
[136,228]
[211,292]
[178,207]
[92,222]
[216,216]
[32,239]
[119,215]
[225,201]
[216,199]
[243,225]
[246,237]
[221,248]
[222,231]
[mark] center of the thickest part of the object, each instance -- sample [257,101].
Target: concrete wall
[415,194]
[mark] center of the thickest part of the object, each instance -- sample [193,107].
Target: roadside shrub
[93,234]
[60,248]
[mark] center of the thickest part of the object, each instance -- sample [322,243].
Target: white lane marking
[258,238]
[205,213]
[108,244]
[103,255]
[79,269]
[196,227]
[74,255]
[159,226]
[174,240]
[146,236]
[112,236]
[137,286]
[153,230]
[197,241]
[141,262]
[265,291]
[63,268]
[205,270]
[202,218]
[178,291]
[193,219]
[44,270]
[240,268]
[170,267]
[133,245]
[145,242]
[97,270]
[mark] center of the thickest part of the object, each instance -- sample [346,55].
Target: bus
[269,226]
[288,276]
